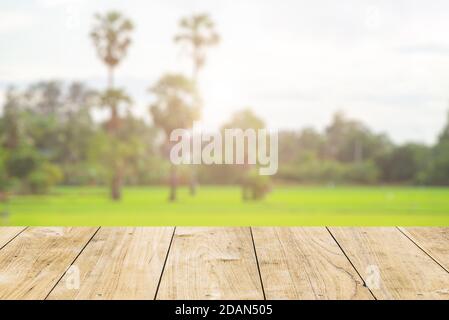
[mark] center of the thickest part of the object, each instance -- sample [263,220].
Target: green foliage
[4,181]
[255,186]
[26,171]
[245,119]
[40,181]
[312,170]
[438,172]
[47,136]
[365,172]
[23,161]
[197,33]
[111,37]
[405,164]
[350,141]
[176,104]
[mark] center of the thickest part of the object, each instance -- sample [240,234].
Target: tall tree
[111,37]
[175,107]
[116,99]
[197,33]
[10,126]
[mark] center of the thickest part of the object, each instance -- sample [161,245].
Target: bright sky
[294,62]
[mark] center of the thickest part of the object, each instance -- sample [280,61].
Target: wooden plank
[119,263]
[33,263]
[211,263]
[392,266]
[434,241]
[305,263]
[8,233]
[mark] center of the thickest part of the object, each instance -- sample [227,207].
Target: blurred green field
[223,206]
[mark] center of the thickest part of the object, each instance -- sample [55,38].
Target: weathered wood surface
[32,264]
[8,233]
[434,241]
[211,263]
[393,266]
[118,263]
[224,263]
[305,263]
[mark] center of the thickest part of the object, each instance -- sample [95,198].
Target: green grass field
[222,206]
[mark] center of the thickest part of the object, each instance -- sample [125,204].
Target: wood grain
[36,259]
[119,263]
[211,263]
[392,266]
[305,263]
[434,241]
[8,233]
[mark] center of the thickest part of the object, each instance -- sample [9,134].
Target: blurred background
[90,91]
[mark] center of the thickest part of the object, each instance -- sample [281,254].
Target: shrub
[362,172]
[22,162]
[41,180]
[255,186]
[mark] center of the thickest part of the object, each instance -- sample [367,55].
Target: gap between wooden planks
[222,263]
[393,265]
[118,263]
[32,263]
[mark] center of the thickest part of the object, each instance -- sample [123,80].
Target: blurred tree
[197,33]
[142,152]
[176,107]
[350,141]
[28,132]
[288,146]
[10,124]
[254,186]
[296,146]
[111,37]
[4,181]
[116,100]
[405,164]
[438,172]
[45,98]
[311,141]
[444,135]
[77,135]
[62,133]
[245,119]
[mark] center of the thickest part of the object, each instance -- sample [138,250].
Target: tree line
[48,135]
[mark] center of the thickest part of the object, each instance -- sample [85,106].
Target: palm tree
[111,37]
[115,98]
[197,32]
[176,107]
